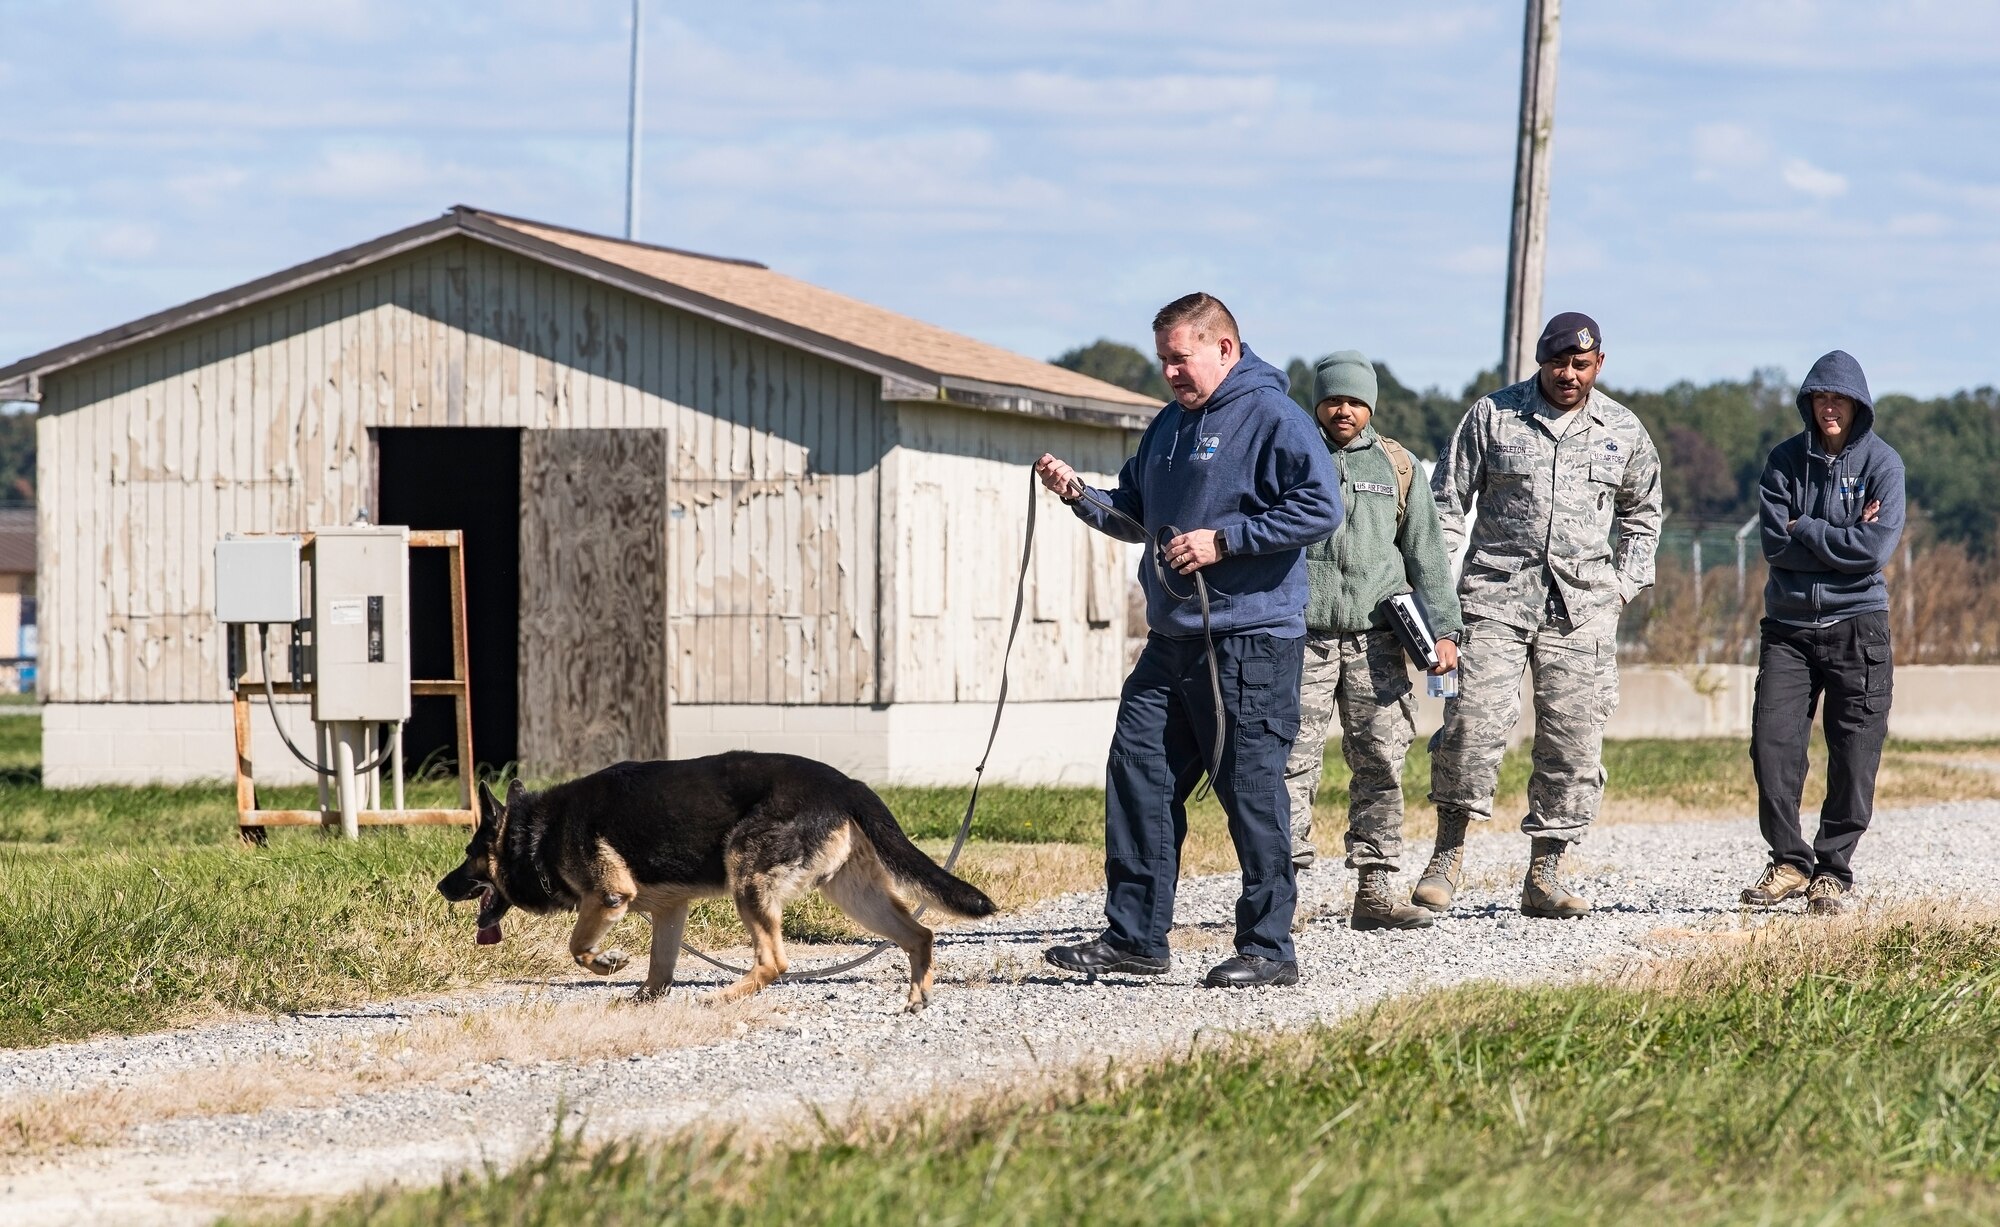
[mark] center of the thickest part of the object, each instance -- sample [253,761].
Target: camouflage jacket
[1547,507]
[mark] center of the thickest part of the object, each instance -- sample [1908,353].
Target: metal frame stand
[355,803]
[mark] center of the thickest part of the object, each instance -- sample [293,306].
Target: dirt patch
[444,1050]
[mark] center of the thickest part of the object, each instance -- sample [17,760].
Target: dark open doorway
[468,478]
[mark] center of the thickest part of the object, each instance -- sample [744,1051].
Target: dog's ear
[489,808]
[516,790]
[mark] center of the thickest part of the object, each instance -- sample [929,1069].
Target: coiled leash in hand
[978,773]
[1162,572]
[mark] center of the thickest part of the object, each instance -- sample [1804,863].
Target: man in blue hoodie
[1229,485]
[1831,511]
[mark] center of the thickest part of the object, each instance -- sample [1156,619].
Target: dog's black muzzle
[459,886]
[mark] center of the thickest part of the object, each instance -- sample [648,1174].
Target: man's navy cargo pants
[1166,727]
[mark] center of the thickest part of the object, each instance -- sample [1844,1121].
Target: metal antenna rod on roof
[632,126]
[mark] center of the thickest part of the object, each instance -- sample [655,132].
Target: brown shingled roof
[835,315]
[917,361]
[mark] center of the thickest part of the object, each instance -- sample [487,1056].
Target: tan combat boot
[1376,908]
[1541,894]
[1446,872]
[1779,883]
[1827,896]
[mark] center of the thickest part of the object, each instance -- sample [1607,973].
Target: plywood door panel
[593,598]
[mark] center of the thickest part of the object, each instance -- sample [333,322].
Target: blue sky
[1736,184]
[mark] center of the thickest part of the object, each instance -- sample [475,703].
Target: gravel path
[999,1013]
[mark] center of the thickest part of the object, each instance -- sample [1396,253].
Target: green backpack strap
[1406,472]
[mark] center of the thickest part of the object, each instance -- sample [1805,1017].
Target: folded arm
[1865,546]
[1774,522]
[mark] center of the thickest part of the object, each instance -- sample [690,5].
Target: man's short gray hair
[1204,311]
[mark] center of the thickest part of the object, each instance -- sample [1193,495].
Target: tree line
[1713,437]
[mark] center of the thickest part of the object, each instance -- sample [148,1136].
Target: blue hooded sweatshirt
[1827,565]
[1248,464]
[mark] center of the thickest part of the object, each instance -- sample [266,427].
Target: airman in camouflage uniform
[1354,665]
[1556,466]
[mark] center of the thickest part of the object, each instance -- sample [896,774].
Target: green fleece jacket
[1371,558]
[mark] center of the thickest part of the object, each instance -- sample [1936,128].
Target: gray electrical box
[361,627]
[257,579]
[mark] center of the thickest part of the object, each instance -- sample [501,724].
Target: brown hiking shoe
[1779,883]
[1446,872]
[1542,896]
[1376,908]
[1827,896]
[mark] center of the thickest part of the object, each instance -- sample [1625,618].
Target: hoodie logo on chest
[1853,487]
[1205,447]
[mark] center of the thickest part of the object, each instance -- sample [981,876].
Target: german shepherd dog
[653,837]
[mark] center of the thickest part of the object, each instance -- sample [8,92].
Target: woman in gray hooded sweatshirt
[1831,510]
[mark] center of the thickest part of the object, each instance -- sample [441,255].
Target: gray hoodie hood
[1838,372]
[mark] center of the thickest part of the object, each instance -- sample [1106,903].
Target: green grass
[1852,1080]
[128,909]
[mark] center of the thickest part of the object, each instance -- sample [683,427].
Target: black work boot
[1098,957]
[1446,872]
[1252,971]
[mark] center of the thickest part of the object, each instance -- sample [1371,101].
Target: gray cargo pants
[1576,690]
[1363,677]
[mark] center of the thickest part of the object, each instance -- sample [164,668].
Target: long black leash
[978,773]
[1162,572]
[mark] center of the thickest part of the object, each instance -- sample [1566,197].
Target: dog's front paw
[648,992]
[918,1000]
[603,962]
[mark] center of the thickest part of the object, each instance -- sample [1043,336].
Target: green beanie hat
[1347,373]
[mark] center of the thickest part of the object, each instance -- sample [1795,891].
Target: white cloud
[207,187]
[1803,176]
[363,173]
[239,20]
[1919,225]
[124,241]
[1724,149]
[1478,260]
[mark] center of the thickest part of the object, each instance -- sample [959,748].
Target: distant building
[17,599]
[706,505]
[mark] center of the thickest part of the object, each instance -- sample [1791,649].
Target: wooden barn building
[706,506]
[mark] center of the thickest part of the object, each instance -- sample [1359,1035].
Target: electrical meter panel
[257,579]
[361,627]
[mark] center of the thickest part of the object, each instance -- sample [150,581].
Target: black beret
[1572,330]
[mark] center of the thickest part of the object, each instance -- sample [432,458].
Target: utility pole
[1527,245]
[632,126]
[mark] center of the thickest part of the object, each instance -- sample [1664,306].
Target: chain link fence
[1708,598]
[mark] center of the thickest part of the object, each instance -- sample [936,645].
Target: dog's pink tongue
[489,935]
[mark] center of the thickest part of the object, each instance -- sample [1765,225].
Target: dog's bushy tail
[907,863]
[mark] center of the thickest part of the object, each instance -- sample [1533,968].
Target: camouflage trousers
[1576,690]
[1363,678]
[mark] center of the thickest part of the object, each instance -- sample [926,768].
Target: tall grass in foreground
[1825,1074]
